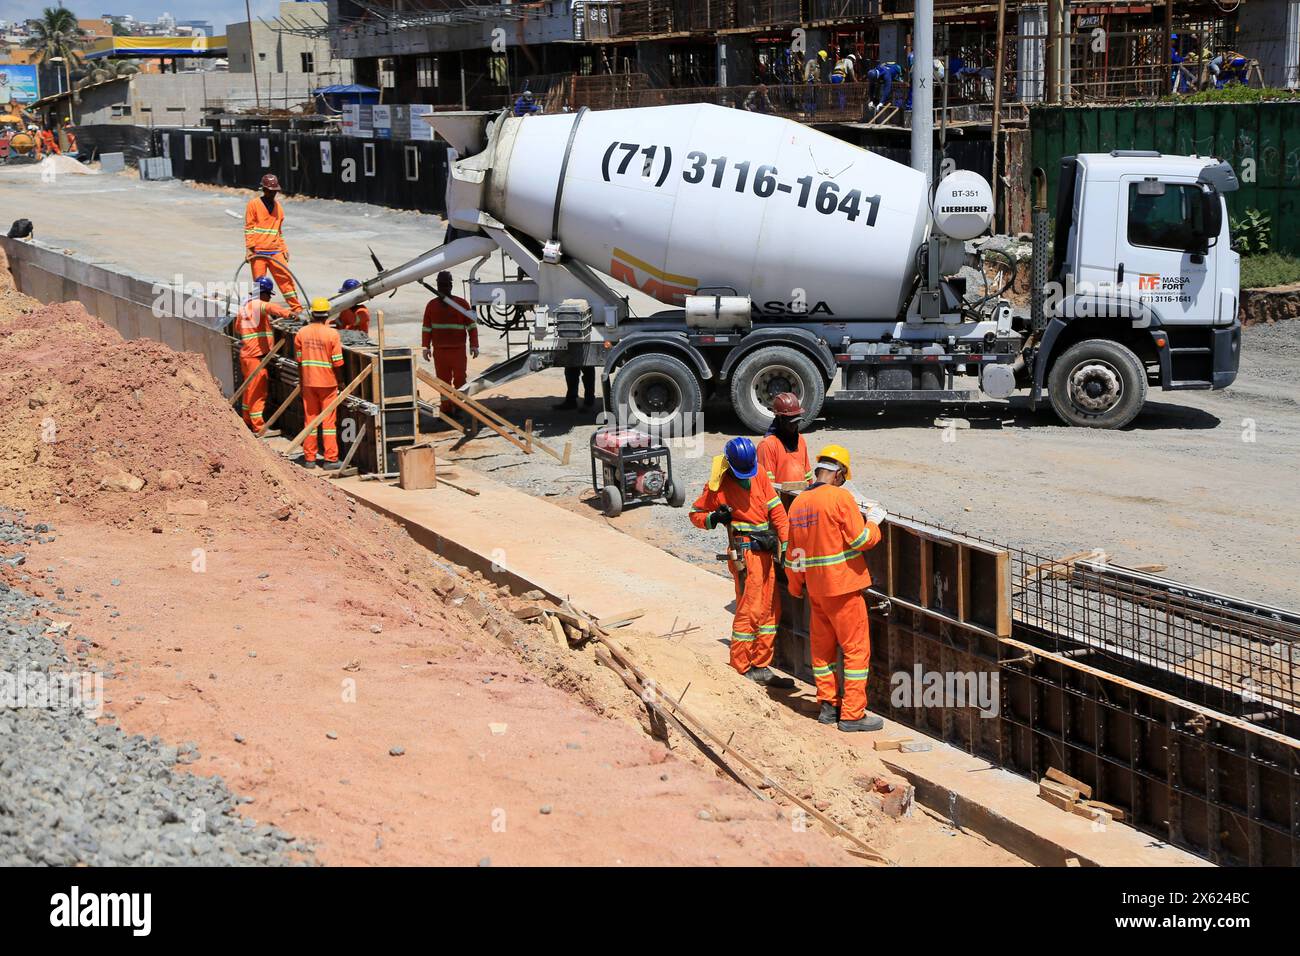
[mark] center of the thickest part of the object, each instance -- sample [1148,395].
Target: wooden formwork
[380,438]
[1211,782]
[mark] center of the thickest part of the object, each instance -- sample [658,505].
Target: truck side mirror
[1211,215]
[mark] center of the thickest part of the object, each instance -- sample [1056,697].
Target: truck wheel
[659,393]
[762,376]
[1097,384]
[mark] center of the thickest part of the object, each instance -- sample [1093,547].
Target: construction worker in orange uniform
[444,333]
[49,143]
[264,245]
[319,352]
[827,538]
[739,496]
[70,132]
[357,318]
[253,329]
[783,454]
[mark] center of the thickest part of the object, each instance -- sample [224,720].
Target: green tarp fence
[1260,140]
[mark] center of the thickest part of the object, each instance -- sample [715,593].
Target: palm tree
[56,36]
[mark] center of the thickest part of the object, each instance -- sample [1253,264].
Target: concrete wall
[179,99]
[123,300]
[278,51]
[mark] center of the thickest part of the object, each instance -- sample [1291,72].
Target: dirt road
[1203,482]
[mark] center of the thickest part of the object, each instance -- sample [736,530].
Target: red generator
[632,468]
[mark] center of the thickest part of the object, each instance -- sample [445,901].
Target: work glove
[721,516]
[876,514]
[763,542]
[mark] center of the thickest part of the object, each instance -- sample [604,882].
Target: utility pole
[1053,59]
[997,101]
[923,91]
[252,55]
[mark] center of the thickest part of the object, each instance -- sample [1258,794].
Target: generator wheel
[676,493]
[611,500]
[767,372]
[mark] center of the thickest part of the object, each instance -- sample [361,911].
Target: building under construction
[650,52]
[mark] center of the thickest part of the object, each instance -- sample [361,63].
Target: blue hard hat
[265,284]
[349,285]
[741,457]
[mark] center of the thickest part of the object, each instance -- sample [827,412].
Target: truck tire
[768,372]
[658,393]
[1097,384]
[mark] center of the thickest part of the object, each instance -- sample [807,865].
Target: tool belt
[756,541]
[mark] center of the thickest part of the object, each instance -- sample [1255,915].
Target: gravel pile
[73,790]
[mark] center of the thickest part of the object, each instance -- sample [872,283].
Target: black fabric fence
[134,142]
[402,174]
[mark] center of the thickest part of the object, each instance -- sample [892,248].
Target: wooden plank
[463,402]
[315,422]
[266,360]
[1063,778]
[266,427]
[356,443]
[1003,559]
[925,573]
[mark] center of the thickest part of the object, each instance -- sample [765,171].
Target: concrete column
[923,91]
[1031,52]
[735,61]
[652,59]
[893,43]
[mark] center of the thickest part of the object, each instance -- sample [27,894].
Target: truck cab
[1142,288]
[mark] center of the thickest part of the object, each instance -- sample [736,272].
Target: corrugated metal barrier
[1260,140]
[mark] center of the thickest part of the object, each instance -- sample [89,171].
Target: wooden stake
[266,428]
[493,420]
[356,443]
[315,422]
[266,360]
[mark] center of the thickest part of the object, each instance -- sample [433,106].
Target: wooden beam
[315,422]
[493,419]
[266,360]
[463,402]
[266,428]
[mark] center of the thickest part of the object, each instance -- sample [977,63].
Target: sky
[216,12]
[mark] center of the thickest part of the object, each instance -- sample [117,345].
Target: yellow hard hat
[822,54]
[321,306]
[838,454]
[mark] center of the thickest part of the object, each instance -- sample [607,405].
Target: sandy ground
[374,701]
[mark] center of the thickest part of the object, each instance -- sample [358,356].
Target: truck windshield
[1168,221]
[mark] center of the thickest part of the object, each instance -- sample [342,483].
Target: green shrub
[1261,272]
[1251,233]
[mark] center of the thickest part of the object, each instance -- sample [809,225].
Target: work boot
[830,713]
[866,722]
[331,465]
[568,405]
[764,677]
[307,464]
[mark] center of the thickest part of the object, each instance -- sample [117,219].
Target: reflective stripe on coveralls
[824,557]
[756,508]
[782,465]
[253,329]
[319,351]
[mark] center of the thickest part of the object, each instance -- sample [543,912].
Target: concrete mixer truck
[789,261]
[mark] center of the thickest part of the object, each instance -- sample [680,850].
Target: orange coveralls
[444,333]
[320,352]
[264,234]
[827,538]
[781,465]
[356,319]
[253,329]
[49,143]
[756,508]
